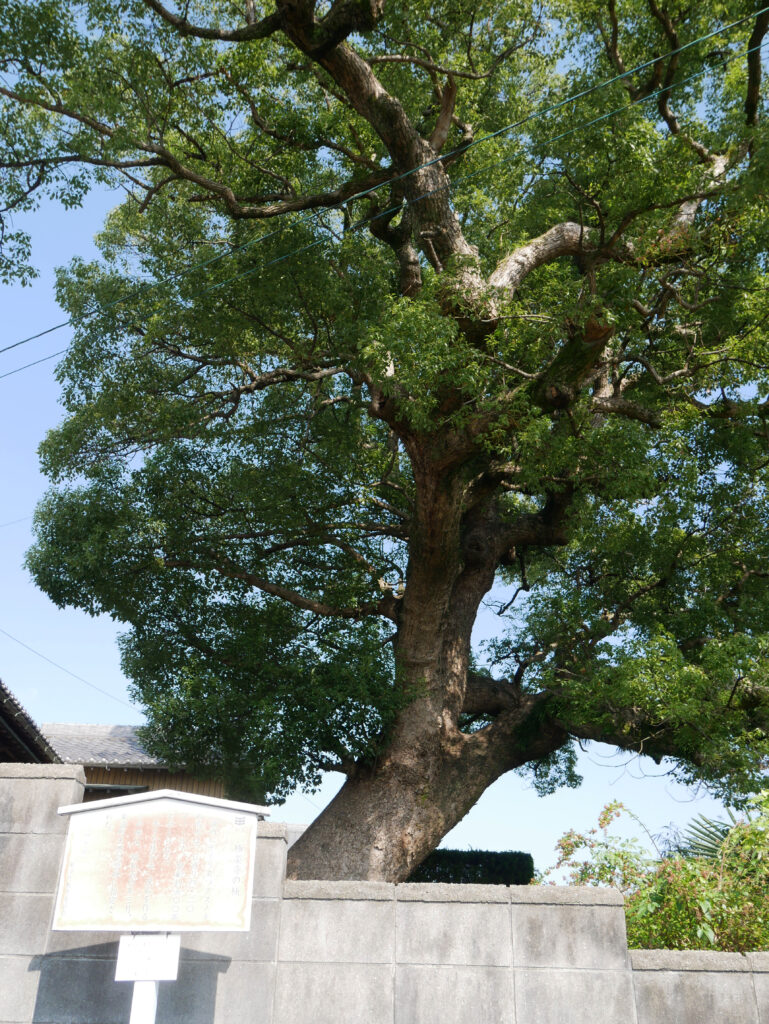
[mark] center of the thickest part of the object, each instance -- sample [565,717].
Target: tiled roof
[20,738]
[116,745]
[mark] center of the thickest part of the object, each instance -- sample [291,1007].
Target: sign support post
[144,1003]
[145,958]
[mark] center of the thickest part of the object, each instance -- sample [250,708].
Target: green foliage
[475,867]
[297,703]
[719,901]
[605,859]
[252,405]
[703,837]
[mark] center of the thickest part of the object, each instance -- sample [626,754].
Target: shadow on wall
[72,985]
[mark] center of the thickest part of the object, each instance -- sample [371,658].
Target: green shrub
[719,901]
[475,867]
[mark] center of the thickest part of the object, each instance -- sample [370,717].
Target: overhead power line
[315,214]
[13,522]
[26,366]
[62,669]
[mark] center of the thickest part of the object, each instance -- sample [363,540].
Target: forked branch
[253,30]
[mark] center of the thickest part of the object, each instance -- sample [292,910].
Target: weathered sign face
[160,865]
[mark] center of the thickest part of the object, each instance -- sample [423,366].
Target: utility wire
[26,366]
[61,667]
[391,181]
[394,209]
[14,521]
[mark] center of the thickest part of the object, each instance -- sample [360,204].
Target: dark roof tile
[116,745]
[20,738]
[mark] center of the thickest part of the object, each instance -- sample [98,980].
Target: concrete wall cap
[759,962]
[271,830]
[447,892]
[42,771]
[711,960]
[322,890]
[444,892]
[568,895]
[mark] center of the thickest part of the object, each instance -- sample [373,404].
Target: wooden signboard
[158,862]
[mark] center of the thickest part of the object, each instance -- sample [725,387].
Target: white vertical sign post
[145,959]
[144,1003]
[154,865]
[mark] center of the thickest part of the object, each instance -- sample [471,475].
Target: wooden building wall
[147,778]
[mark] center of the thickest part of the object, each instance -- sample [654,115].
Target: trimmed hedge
[476,867]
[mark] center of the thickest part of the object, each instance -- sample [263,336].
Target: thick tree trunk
[390,814]
[388,817]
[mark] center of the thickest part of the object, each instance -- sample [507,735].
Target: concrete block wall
[447,954]
[353,952]
[31,844]
[692,987]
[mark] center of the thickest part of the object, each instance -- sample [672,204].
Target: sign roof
[166,794]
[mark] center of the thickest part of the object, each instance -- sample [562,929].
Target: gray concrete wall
[31,845]
[694,987]
[353,953]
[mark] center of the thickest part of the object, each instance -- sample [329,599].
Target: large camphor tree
[384,330]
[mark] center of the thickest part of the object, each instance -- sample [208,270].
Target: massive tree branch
[566,239]
[240,209]
[443,124]
[400,241]
[666,113]
[684,218]
[633,731]
[226,401]
[487,696]
[344,18]
[163,156]
[509,741]
[618,406]
[387,606]
[545,528]
[611,45]
[572,239]
[77,158]
[425,184]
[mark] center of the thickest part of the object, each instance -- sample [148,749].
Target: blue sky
[509,815]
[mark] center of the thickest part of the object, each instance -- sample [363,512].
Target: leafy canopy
[258,356]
